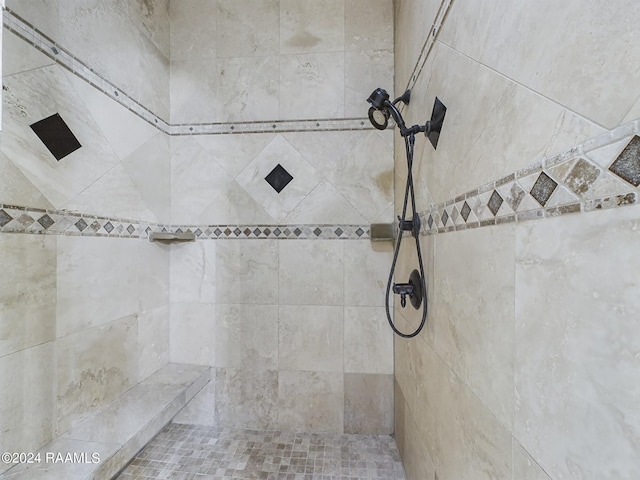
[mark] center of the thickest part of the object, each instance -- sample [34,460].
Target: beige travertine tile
[114,194]
[369,25]
[201,409]
[111,292]
[124,131]
[311,272]
[468,441]
[93,366]
[248,28]
[310,401]
[248,89]
[247,336]
[193,272]
[192,333]
[37,94]
[473,313]
[28,293]
[544,46]
[576,318]
[18,56]
[311,26]
[150,170]
[365,70]
[191,38]
[153,340]
[325,204]
[278,152]
[312,85]
[247,271]
[366,270]
[310,337]
[525,467]
[368,404]
[417,461]
[234,152]
[368,341]
[27,399]
[42,14]
[193,93]
[246,398]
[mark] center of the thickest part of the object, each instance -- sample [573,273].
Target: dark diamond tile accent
[430,221]
[247,231]
[297,232]
[198,232]
[108,227]
[95,226]
[339,231]
[81,225]
[359,232]
[148,230]
[179,230]
[237,231]
[257,232]
[267,231]
[217,232]
[445,217]
[277,232]
[46,221]
[278,178]
[627,165]
[495,202]
[164,229]
[582,176]
[56,136]
[317,231]
[227,232]
[543,189]
[131,229]
[466,210]
[287,232]
[4,218]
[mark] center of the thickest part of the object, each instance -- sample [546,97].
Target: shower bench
[118,430]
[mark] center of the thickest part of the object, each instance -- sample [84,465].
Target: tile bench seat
[118,430]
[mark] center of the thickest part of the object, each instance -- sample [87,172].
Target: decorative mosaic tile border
[51,49]
[15,219]
[443,10]
[601,173]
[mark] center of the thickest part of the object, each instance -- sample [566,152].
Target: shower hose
[414,226]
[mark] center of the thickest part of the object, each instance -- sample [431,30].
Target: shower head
[382,108]
[378,112]
[379,98]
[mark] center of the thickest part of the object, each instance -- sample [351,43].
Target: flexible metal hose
[409,141]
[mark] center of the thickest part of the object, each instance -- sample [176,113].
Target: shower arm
[404,131]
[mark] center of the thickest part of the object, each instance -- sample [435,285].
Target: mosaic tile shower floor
[192,452]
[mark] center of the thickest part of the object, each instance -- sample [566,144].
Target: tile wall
[84,282]
[259,308]
[82,319]
[525,369]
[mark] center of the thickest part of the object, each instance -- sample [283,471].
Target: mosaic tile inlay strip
[601,173]
[51,49]
[16,219]
[212,453]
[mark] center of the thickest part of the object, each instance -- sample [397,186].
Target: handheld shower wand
[379,113]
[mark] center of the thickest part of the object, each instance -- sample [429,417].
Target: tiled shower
[244,123]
